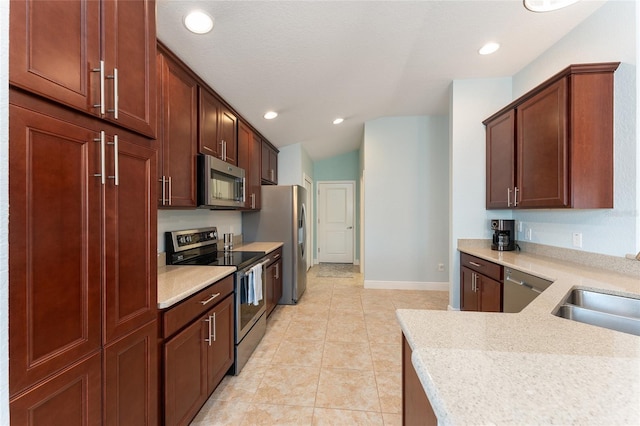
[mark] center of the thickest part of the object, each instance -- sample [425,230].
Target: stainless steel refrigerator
[283,218]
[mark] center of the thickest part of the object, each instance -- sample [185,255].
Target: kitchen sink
[603,302]
[619,313]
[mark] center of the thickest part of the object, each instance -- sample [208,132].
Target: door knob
[349,227]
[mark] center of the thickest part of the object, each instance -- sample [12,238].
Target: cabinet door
[416,408]
[501,161]
[245,138]
[130,296]
[185,374]
[269,164]
[269,276]
[468,294]
[131,378]
[72,398]
[228,135]
[54,47]
[220,347]
[277,282]
[208,142]
[254,181]
[179,136]
[542,150]
[129,46]
[490,294]
[54,257]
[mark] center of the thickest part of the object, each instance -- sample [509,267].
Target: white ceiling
[313,61]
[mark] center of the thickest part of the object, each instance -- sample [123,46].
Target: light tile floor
[333,359]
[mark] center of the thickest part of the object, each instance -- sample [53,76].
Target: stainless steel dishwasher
[520,289]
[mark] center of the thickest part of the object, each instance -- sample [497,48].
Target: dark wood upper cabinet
[129,46]
[500,161]
[95,56]
[178,135]
[218,132]
[553,147]
[249,158]
[269,164]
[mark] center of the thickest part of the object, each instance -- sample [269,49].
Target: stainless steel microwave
[220,184]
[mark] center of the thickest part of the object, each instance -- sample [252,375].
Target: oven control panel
[183,240]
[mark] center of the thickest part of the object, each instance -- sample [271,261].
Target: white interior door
[308,185]
[336,221]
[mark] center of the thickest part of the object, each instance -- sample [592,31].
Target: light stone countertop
[266,247]
[176,283]
[528,367]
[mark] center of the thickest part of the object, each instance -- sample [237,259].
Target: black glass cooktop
[239,259]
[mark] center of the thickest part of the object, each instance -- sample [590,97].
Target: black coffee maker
[504,234]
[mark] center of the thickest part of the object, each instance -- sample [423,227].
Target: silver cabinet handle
[208,320]
[169,199]
[213,296]
[271,173]
[101,175]
[101,71]
[475,264]
[473,280]
[114,77]
[515,196]
[253,201]
[116,172]
[277,256]
[277,270]
[163,180]
[508,197]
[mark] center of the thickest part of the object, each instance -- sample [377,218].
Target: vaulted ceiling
[313,61]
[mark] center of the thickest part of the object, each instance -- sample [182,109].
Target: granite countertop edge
[538,368]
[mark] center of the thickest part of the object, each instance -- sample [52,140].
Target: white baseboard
[406,285]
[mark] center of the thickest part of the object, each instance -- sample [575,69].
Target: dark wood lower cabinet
[71,397]
[273,275]
[131,378]
[416,409]
[480,284]
[195,361]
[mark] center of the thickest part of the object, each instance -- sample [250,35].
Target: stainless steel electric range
[200,247]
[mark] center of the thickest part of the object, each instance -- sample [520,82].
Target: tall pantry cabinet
[83,344]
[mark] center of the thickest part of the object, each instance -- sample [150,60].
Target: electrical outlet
[519,226]
[528,234]
[577,239]
[441,267]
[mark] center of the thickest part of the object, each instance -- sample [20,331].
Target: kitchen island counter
[528,367]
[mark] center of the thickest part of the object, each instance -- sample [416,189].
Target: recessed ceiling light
[198,22]
[338,120]
[489,48]
[547,5]
[270,115]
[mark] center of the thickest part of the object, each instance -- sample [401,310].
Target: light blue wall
[342,167]
[406,198]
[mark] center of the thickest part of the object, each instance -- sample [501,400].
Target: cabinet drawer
[189,309]
[484,267]
[274,256]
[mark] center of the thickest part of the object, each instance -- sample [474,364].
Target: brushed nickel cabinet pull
[101,104]
[116,173]
[101,175]
[114,77]
[213,296]
[475,264]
